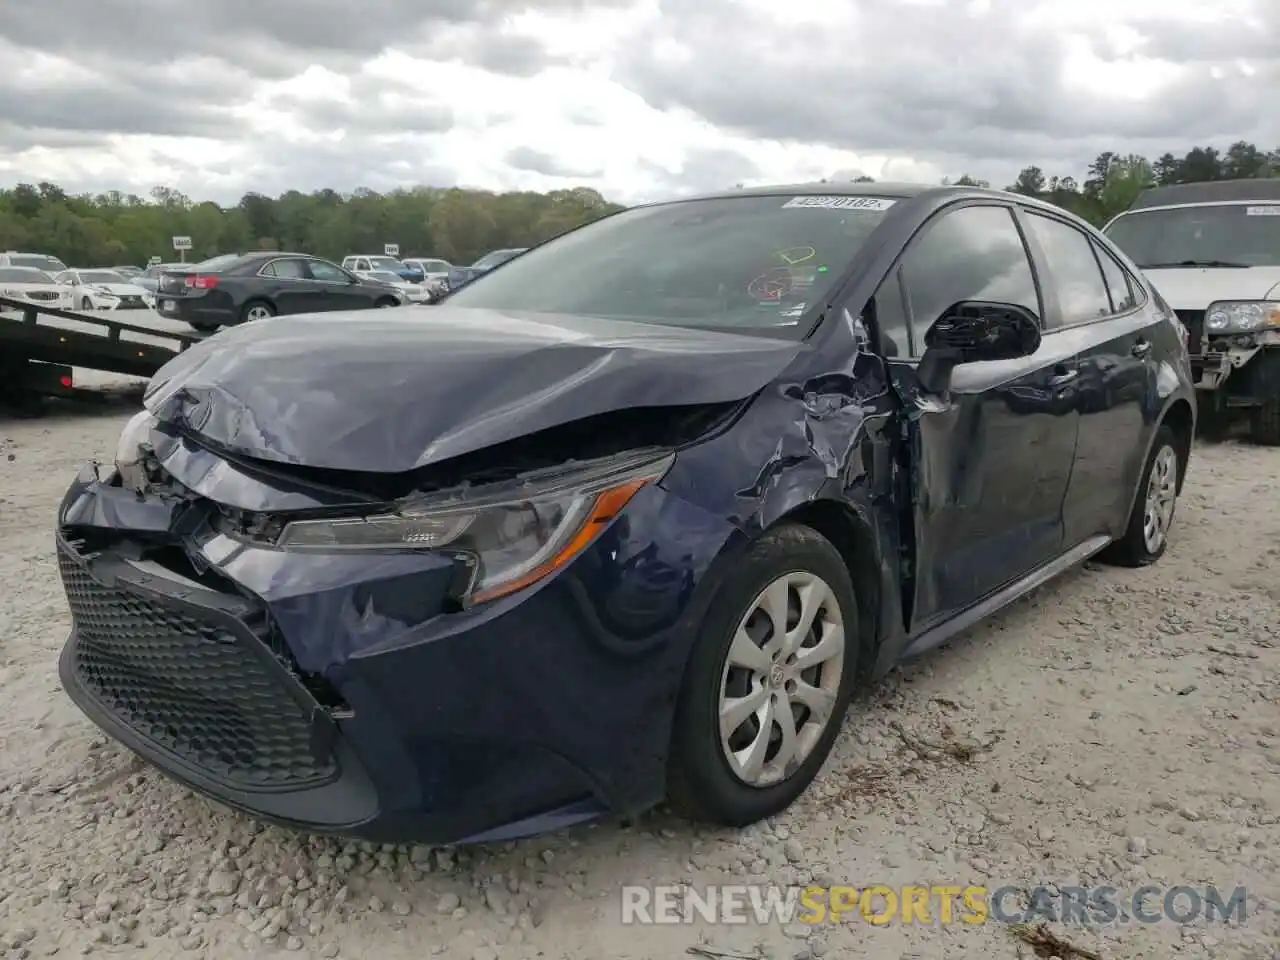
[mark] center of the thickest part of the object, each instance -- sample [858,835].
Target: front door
[334,289]
[991,459]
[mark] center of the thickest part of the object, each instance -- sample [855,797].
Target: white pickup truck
[1212,250]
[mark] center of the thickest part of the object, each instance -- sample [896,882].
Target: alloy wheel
[258,313]
[1162,492]
[781,678]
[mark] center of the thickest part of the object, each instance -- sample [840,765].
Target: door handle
[1062,379]
[1141,348]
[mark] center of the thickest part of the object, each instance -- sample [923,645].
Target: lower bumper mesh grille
[189,686]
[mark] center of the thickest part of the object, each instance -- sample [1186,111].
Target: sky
[640,99]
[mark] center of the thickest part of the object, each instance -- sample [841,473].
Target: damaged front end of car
[248,625]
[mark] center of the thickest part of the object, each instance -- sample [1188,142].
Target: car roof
[1212,191]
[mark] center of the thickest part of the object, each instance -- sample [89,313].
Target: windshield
[37,261]
[384,263]
[101,276]
[750,264]
[386,276]
[497,257]
[24,275]
[1229,234]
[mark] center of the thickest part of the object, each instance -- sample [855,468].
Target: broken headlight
[1242,316]
[515,532]
[130,455]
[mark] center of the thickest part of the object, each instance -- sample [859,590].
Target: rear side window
[974,253]
[285,269]
[1119,285]
[1073,268]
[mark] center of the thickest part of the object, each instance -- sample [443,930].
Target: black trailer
[40,349]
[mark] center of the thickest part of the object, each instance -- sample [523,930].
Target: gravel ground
[1126,726]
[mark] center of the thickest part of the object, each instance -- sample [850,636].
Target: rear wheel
[1264,423]
[768,681]
[1147,536]
[256,310]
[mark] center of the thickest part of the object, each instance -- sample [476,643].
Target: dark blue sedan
[628,518]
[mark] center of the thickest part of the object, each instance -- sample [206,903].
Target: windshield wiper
[1192,263]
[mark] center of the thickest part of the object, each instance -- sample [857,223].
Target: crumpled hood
[1194,288]
[391,390]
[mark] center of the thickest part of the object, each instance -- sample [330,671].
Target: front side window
[751,264]
[1220,234]
[974,253]
[1077,276]
[327,272]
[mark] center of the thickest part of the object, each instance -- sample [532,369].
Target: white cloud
[637,100]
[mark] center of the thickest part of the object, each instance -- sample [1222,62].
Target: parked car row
[241,288]
[73,289]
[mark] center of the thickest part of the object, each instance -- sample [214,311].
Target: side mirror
[976,331]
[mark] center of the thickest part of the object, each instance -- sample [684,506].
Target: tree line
[460,225]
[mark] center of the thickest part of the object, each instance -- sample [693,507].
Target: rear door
[1105,311]
[992,457]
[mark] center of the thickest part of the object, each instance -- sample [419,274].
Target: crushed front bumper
[332,694]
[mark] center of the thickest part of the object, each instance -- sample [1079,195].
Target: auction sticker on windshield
[875,204]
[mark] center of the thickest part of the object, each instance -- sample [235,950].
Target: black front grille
[190,686]
[131,303]
[1193,320]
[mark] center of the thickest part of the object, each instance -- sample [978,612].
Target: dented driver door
[990,457]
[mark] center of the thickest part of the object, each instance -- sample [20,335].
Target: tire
[1264,423]
[1136,548]
[256,310]
[386,302]
[702,783]
[86,303]
[203,326]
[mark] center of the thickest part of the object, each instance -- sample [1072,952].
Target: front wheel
[1147,536]
[768,681]
[86,304]
[1264,423]
[387,302]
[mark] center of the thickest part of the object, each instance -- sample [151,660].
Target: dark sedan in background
[238,288]
[496,258]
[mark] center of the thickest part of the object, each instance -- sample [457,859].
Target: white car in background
[105,290]
[413,292]
[33,286]
[435,272]
[40,261]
